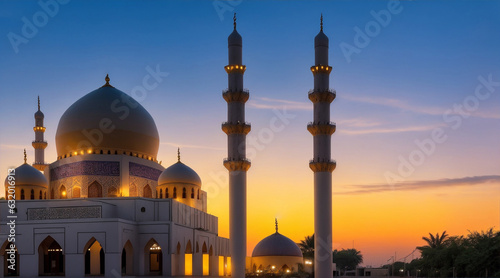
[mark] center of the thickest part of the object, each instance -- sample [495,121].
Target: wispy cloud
[427,110]
[359,122]
[179,145]
[271,103]
[395,103]
[13,147]
[388,129]
[420,185]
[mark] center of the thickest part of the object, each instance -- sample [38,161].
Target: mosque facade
[107,207]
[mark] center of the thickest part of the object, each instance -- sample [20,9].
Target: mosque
[107,207]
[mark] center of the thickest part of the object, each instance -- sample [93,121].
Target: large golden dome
[107,121]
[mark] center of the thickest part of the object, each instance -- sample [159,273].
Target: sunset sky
[428,76]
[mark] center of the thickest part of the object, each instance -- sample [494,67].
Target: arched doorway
[188,259]
[154,258]
[94,258]
[10,260]
[50,258]
[206,260]
[128,259]
[147,193]
[95,190]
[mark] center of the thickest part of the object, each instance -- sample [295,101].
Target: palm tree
[434,241]
[307,246]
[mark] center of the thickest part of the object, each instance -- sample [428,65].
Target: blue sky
[394,91]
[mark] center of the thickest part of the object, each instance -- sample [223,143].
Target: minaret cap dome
[28,175]
[321,39]
[39,115]
[234,39]
[179,173]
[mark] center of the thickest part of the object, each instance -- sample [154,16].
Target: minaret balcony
[322,96]
[236,128]
[39,128]
[321,69]
[240,164]
[39,144]
[241,96]
[325,128]
[235,69]
[322,165]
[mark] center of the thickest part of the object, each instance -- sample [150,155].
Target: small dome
[179,173]
[276,245]
[28,175]
[321,39]
[39,115]
[107,118]
[234,39]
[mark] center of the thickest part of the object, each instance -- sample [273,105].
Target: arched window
[52,193]
[95,190]
[166,193]
[192,193]
[76,192]
[40,196]
[22,194]
[147,193]
[32,195]
[198,194]
[62,192]
[184,193]
[161,193]
[175,192]
[45,195]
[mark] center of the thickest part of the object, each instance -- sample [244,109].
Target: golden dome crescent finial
[276,224]
[107,79]
[38,103]
[25,158]
[178,154]
[321,22]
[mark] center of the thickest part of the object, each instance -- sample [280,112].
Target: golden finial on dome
[25,158]
[321,22]
[234,21]
[38,103]
[178,154]
[276,224]
[107,81]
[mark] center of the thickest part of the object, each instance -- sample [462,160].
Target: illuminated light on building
[206,265]
[188,264]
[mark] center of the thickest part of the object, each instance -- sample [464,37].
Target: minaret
[39,144]
[322,165]
[236,162]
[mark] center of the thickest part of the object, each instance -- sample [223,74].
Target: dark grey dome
[276,245]
[134,130]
